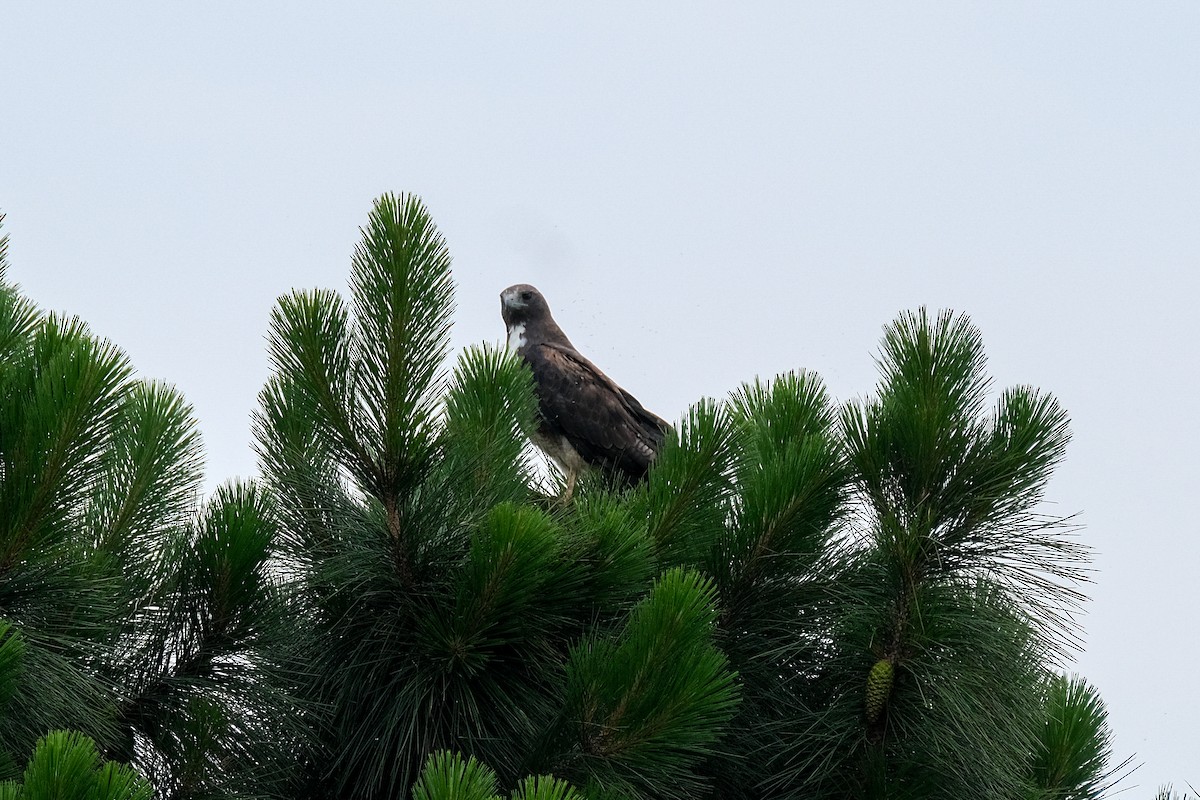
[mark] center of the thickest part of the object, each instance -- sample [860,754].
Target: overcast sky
[704,192]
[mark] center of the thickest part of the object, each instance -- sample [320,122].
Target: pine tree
[801,601]
[450,608]
[126,614]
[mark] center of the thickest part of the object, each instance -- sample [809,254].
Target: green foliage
[66,766]
[613,550]
[151,473]
[127,617]
[954,494]
[790,479]
[686,496]
[449,612]
[802,600]
[63,392]
[651,702]
[1167,792]
[209,691]
[403,300]
[1073,760]
[946,575]
[490,406]
[18,317]
[448,776]
[445,609]
[12,652]
[60,396]
[544,787]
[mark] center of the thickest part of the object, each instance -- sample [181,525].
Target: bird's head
[522,303]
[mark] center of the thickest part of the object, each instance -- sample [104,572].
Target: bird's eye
[526,295]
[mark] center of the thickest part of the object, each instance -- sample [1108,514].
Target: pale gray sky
[704,192]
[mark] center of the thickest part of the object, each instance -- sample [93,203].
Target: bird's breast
[516,336]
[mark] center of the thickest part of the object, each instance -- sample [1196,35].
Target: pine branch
[12,654]
[312,349]
[58,413]
[687,493]
[403,302]
[211,706]
[651,704]
[610,542]
[448,776]
[3,250]
[951,493]
[66,765]
[1072,761]
[789,477]
[489,409]
[150,477]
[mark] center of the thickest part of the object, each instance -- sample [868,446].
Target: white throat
[516,336]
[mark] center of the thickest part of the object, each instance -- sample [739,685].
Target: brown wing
[605,424]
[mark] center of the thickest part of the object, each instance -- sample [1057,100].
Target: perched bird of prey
[584,419]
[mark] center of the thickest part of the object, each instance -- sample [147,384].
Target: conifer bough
[395,610]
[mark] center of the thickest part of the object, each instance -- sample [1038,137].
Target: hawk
[584,418]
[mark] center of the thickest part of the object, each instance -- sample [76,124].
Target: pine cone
[879,687]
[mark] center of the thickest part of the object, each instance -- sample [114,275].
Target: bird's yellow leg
[572,474]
